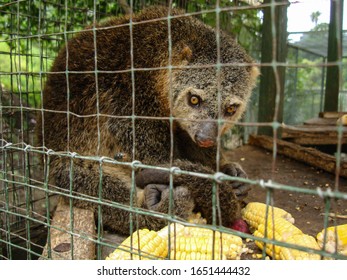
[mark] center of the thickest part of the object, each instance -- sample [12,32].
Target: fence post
[273,50]
[333,73]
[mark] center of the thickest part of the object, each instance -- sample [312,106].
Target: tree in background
[315,16]
[305,84]
[33,31]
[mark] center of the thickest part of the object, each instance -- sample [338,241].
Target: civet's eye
[231,110]
[194,100]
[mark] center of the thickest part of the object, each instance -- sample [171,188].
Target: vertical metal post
[274,51]
[322,85]
[333,74]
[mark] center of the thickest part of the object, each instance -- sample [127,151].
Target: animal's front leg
[234,169]
[152,176]
[157,198]
[200,189]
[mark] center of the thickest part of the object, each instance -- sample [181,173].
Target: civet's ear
[182,54]
[254,74]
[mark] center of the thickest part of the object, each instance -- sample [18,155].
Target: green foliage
[34,30]
[315,16]
[305,80]
[244,25]
[46,21]
[20,73]
[303,88]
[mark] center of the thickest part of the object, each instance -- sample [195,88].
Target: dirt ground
[307,209]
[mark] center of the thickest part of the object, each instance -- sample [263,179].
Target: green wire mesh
[31,34]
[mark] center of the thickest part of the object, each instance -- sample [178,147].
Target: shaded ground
[307,209]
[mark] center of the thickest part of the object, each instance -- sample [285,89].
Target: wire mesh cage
[64,146]
[32,32]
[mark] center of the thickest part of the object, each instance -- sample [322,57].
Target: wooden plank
[309,156]
[313,135]
[333,115]
[311,141]
[84,231]
[321,121]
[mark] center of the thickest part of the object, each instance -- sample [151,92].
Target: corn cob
[193,243]
[187,243]
[332,243]
[196,218]
[343,252]
[302,240]
[177,230]
[280,228]
[203,248]
[146,244]
[288,233]
[342,120]
[255,213]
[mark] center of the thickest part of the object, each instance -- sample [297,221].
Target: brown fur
[107,129]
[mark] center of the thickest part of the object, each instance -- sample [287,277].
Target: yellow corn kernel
[146,244]
[196,243]
[177,230]
[336,238]
[303,240]
[178,255]
[343,252]
[257,256]
[197,248]
[185,243]
[205,232]
[195,218]
[271,250]
[255,213]
[342,120]
[280,230]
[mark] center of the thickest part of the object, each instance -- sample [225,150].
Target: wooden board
[314,135]
[328,115]
[61,241]
[321,122]
[309,156]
